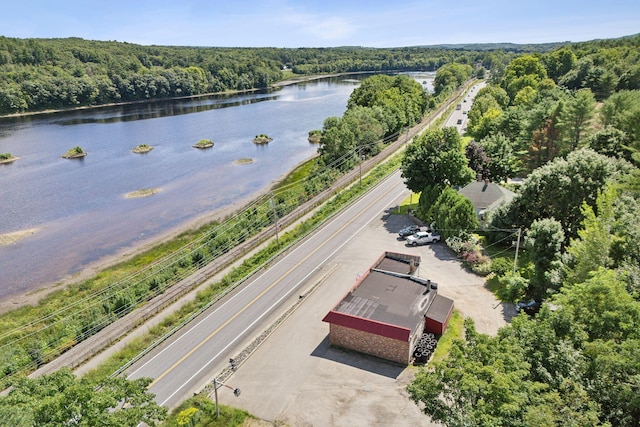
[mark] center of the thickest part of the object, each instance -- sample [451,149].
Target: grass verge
[455,327]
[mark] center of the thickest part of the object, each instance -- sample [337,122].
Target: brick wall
[368,343]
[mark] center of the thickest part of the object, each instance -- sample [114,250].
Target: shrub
[512,286]
[500,266]
[482,266]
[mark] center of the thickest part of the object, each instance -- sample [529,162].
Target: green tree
[558,189]
[622,111]
[576,116]
[62,399]
[559,62]
[590,250]
[544,243]
[454,214]
[611,142]
[602,307]
[526,70]
[337,144]
[436,158]
[483,382]
[503,162]
[483,116]
[451,76]
[613,372]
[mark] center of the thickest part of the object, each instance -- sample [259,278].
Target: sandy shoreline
[11,238]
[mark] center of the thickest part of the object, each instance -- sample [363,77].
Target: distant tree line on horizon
[42,74]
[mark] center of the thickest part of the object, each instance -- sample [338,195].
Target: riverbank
[33,297]
[287,82]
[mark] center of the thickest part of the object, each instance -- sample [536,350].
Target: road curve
[187,362]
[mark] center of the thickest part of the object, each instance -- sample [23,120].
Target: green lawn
[410,202]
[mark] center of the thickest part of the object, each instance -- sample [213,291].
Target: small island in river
[7,158]
[142,148]
[262,139]
[75,153]
[204,143]
[145,192]
[244,161]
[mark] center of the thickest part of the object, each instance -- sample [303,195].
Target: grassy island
[7,158]
[142,148]
[204,143]
[262,139]
[314,136]
[75,153]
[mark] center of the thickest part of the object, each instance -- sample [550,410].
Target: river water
[79,207]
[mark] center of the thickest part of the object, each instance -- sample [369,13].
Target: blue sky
[328,23]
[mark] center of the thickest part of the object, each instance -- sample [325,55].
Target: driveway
[296,378]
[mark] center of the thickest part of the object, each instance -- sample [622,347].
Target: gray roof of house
[486,195]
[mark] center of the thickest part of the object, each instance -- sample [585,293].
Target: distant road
[188,361]
[458,118]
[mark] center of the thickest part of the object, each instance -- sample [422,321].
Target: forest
[567,122]
[44,74]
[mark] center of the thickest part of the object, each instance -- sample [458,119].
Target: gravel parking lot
[296,378]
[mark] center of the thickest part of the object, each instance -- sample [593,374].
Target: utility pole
[515,260]
[216,384]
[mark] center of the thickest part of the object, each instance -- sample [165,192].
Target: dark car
[408,231]
[530,307]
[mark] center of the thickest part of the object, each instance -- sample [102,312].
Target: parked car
[422,238]
[408,231]
[530,307]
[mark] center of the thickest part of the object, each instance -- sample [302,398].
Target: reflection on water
[161,109]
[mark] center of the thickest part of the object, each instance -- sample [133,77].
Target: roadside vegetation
[567,122]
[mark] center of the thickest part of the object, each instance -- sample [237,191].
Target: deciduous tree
[436,158]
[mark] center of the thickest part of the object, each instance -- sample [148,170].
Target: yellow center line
[238,313]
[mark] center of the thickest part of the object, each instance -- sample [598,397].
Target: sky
[314,23]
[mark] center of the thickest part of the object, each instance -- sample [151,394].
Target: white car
[422,238]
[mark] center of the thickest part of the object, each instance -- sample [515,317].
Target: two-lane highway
[188,361]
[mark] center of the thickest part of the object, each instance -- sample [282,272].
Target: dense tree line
[377,110]
[40,74]
[566,121]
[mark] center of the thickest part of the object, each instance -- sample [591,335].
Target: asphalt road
[461,114]
[186,363]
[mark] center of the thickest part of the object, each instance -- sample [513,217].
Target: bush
[482,266]
[500,266]
[512,287]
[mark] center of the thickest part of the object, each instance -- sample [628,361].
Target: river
[79,210]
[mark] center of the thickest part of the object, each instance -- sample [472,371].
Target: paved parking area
[296,378]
